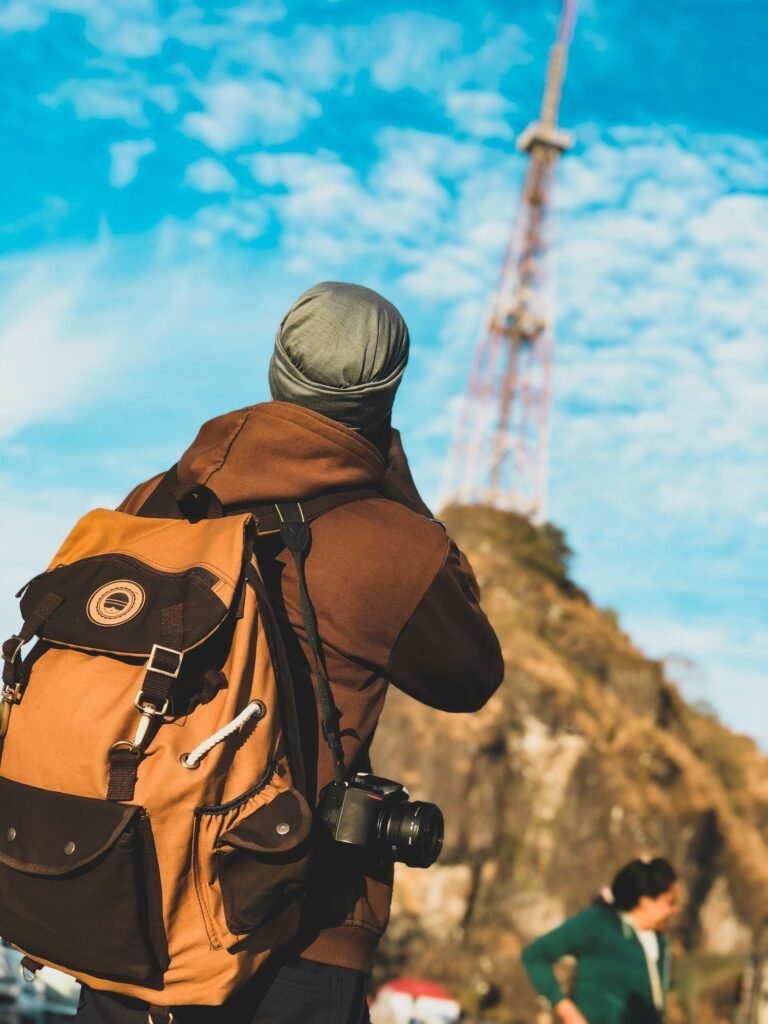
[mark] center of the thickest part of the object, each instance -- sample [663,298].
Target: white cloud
[80,321]
[233,23]
[400,212]
[21,16]
[679,297]
[128,28]
[49,215]
[125,158]
[411,49]
[449,274]
[102,99]
[317,62]
[330,215]
[163,96]
[481,113]
[310,57]
[259,12]
[741,222]
[237,113]
[243,219]
[208,175]
[414,50]
[124,28]
[44,332]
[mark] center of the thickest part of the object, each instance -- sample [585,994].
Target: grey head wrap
[341,350]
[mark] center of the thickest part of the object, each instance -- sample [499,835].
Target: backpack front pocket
[270,848]
[257,860]
[79,883]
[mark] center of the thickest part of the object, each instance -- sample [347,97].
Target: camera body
[375,813]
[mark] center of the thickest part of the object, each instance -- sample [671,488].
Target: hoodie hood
[278,451]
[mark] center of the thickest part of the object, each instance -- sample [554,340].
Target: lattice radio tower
[500,451]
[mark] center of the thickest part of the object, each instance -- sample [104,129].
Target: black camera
[376,813]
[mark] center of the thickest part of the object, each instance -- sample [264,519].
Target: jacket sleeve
[571,939]
[447,654]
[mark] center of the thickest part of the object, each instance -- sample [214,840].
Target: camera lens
[413,832]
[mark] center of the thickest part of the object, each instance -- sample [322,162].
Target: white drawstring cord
[256,709]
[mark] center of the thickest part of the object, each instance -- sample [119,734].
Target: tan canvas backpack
[154,832]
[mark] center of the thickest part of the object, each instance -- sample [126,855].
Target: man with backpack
[362,588]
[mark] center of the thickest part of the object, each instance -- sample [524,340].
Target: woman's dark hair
[641,878]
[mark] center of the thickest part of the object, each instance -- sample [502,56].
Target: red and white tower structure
[500,451]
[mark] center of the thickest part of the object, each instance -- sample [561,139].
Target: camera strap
[295,533]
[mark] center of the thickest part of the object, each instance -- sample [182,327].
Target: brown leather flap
[277,827]
[46,833]
[114,603]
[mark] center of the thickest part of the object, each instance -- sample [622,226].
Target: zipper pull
[20,593]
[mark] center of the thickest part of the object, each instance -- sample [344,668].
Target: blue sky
[174,174]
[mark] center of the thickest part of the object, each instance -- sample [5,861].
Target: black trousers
[294,992]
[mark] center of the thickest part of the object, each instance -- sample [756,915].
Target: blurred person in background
[622,963]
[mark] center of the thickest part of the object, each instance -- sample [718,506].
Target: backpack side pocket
[257,865]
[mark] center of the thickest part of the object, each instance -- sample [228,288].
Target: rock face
[585,758]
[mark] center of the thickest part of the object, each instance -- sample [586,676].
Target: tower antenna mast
[500,451]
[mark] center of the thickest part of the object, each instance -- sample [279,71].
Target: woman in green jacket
[622,971]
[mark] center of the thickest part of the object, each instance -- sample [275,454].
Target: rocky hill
[586,757]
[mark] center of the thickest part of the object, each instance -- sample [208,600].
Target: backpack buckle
[9,696]
[5,717]
[141,704]
[157,661]
[148,712]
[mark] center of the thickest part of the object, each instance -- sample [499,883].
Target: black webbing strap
[160,1014]
[34,622]
[172,500]
[268,518]
[13,674]
[289,716]
[294,530]
[163,668]
[165,661]
[123,771]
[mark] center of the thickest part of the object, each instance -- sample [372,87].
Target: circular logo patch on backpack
[115,603]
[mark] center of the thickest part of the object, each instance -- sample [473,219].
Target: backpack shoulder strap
[295,533]
[172,500]
[292,520]
[268,518]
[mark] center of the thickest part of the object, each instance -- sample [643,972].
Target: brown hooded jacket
[396,602]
